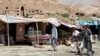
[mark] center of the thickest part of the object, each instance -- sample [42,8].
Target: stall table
[42,38]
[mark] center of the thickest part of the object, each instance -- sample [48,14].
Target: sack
[68,42]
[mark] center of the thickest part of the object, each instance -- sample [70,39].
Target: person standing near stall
[54,37]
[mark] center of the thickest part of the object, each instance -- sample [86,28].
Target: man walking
[74,39]
[88,43]
[87,40]
[54,37]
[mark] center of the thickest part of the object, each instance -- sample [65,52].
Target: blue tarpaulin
[88,22]
[10,19]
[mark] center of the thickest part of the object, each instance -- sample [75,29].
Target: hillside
[88,6]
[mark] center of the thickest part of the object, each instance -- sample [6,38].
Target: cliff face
[45,6]
[87,6]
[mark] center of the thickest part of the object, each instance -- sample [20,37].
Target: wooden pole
[8,31]
[7,26]
[37,35]
[8,34]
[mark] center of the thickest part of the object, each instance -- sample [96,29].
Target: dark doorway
[22,11]
[94,29]
[12,32]
[48,28]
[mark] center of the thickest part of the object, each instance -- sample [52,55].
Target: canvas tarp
[12,19]
[54,21]
[70,25]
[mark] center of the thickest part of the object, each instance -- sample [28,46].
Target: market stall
[11,19]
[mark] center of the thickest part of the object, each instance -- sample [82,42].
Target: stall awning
[12,19]
[70,25]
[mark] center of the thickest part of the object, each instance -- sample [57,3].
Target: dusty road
[31,51]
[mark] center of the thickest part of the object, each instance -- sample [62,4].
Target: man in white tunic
[54,37]
[74,39]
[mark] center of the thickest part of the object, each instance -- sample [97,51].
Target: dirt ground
[25,50]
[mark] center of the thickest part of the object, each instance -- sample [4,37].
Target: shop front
[94,26]
[19,31]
